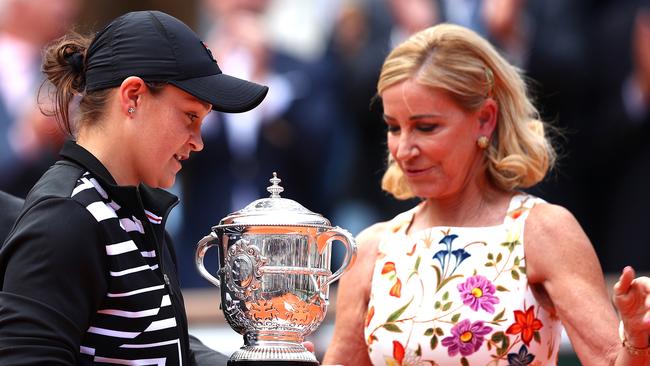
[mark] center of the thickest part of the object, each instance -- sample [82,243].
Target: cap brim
[226,93]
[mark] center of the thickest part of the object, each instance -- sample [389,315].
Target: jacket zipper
[168,283]
[180,318]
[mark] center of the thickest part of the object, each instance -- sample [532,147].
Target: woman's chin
[167,183]
[424,190]
[162,182]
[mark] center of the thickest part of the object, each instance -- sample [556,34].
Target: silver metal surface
[274,274]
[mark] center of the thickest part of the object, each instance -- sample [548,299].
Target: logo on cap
[208,51]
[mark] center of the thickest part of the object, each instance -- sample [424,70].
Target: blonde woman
[479,273]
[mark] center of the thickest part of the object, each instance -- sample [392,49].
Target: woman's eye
[192,116]
[392,128]
[426,127]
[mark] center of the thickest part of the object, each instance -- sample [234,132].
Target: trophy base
[271,363]
[273,353]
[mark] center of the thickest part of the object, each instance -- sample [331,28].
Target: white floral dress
[458,296]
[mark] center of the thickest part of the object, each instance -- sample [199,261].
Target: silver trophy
[274,276]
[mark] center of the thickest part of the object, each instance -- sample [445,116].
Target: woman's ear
[130,94]
[487,117]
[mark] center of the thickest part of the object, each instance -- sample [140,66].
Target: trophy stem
[281,339]
[273,348]
[272,363]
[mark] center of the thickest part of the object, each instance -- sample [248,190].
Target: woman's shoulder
[56,220]
[553,224]
[553,237]
[58,233]
[551,218]
[53,210]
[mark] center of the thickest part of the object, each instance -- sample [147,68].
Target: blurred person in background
[29,140]
[620,153]
[454,279]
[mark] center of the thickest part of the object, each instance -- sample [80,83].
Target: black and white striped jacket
[88,275]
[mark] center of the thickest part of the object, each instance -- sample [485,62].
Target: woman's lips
[415,172]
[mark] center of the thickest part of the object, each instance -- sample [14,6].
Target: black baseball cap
[160,48]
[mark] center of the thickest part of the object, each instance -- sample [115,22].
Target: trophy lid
[273,211]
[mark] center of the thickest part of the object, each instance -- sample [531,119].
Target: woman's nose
[406,149]
[196,141]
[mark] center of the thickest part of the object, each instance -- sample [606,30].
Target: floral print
[369,315]
[396,290]
[466,338]
[411,358]
[477,292]
[521,358]
[389,269]
[445,256]
[403,357]
[458,296]
[525,324]
[398,351]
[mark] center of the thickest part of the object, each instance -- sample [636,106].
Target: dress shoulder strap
[520,206]
[397,225]
[402,221]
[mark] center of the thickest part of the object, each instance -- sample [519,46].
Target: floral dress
[458,296]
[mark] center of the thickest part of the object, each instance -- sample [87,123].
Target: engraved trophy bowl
[274,276]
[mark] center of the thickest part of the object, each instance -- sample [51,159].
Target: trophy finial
[275,189]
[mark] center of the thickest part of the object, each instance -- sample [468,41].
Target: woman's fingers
[624,282]
[309,346]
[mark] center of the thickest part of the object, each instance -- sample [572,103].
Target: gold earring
[482,142]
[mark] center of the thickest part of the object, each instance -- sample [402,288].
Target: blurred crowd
[320,128]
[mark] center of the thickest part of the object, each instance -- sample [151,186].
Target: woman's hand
[309,346]
[632,299]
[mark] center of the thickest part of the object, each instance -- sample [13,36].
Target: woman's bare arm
[563,267]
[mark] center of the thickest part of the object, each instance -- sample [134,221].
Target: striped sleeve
[53,263]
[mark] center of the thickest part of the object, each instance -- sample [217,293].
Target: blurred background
[587,63]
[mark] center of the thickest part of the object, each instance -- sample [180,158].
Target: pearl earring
[482,142]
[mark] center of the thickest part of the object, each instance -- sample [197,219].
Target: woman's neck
[475,206]
[114,156]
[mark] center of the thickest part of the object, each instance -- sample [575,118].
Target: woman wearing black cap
[88,274]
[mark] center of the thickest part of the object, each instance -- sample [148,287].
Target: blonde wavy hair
[459,61]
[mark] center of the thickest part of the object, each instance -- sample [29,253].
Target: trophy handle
[337,233]
[203,246]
